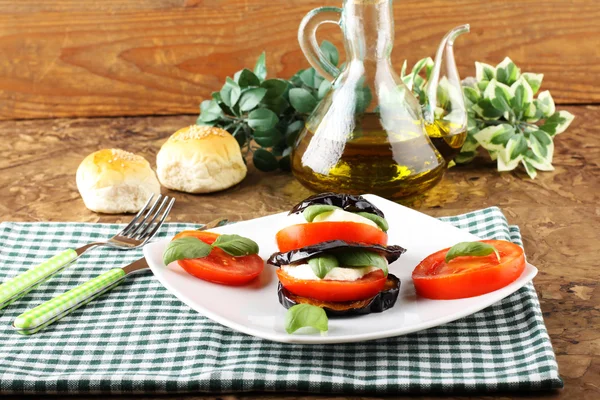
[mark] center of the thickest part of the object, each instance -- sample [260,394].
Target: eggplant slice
[391,253]
[384,300]
[346,202]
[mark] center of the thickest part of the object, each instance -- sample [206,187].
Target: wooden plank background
[63,58]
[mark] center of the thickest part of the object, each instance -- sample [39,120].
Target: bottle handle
[307,37]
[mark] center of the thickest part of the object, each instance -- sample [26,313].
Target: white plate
[255,310]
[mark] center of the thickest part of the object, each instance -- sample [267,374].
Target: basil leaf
[250,98]
[475,249]
[264,160]
[185,248]
[361,258]
[262,119]
[323,264]
[381,222]
[311,212]
[236,245]
[260,68]
[303,315]
[302,100]
[230,93]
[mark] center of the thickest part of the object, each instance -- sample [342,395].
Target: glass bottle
[368,133]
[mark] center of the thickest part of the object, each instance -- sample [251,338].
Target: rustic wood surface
[559,213]
[139,57]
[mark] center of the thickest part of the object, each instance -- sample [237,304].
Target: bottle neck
[369,29]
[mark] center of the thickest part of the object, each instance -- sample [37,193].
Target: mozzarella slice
[340,215]
[305,273]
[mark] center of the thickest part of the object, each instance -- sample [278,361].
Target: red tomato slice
[363,288]
[220,267]
[301,235]
[468,276]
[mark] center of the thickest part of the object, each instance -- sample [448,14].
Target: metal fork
[137,233]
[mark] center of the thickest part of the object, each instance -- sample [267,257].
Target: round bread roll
[200,159]
[115,181]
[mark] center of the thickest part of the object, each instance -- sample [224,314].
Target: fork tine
[142,223]
[151,234]
[153,218]
[137,216]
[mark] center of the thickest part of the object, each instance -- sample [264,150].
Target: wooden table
[558,212]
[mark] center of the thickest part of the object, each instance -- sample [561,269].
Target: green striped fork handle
[45,314]
[22,284]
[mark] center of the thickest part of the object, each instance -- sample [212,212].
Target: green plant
[503,116]
[266,115]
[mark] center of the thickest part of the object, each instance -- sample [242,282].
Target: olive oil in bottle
[446,143]
[373,160]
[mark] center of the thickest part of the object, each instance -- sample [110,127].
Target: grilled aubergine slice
[346,202]
[378,303]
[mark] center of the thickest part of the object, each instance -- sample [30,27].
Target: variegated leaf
[534,80]
[499,95]
[557,123]
[484,72]
[545,104]
[541,145]
[537,162]
[403,70]
[507,72]
[526,91]
[530,169]
[494,138]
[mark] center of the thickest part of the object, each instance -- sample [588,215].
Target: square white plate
[255,309]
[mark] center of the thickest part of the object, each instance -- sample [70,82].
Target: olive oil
[446,143]
[375,160]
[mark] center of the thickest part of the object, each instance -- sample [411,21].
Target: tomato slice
[468,276]
[220,267]
[363,288]
[301,235]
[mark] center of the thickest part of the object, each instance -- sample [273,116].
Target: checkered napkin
[141,339]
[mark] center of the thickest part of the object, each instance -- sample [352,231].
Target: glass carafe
[368,133]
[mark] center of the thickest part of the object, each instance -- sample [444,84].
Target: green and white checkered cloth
[138,338]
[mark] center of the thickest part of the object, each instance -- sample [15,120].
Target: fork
[144,225]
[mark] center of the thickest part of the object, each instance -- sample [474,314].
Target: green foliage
[504,117]
[266,115]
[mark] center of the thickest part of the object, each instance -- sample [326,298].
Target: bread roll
[115,181]
[200,159]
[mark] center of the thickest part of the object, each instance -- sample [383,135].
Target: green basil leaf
[185,248]
[251,97]
[330,52]
[262,119]
[285,163]
[306,315]
[236,245]
[302,100]
[474,249]
[267,138]
[294,127]
[381,222]
[311,212]
[230,93]
[246,78]
[264,160]
[324,87]
[209,111]
[310,78]
[275,87]
[260,68]
[278,105]
[362,258]
[321,265]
